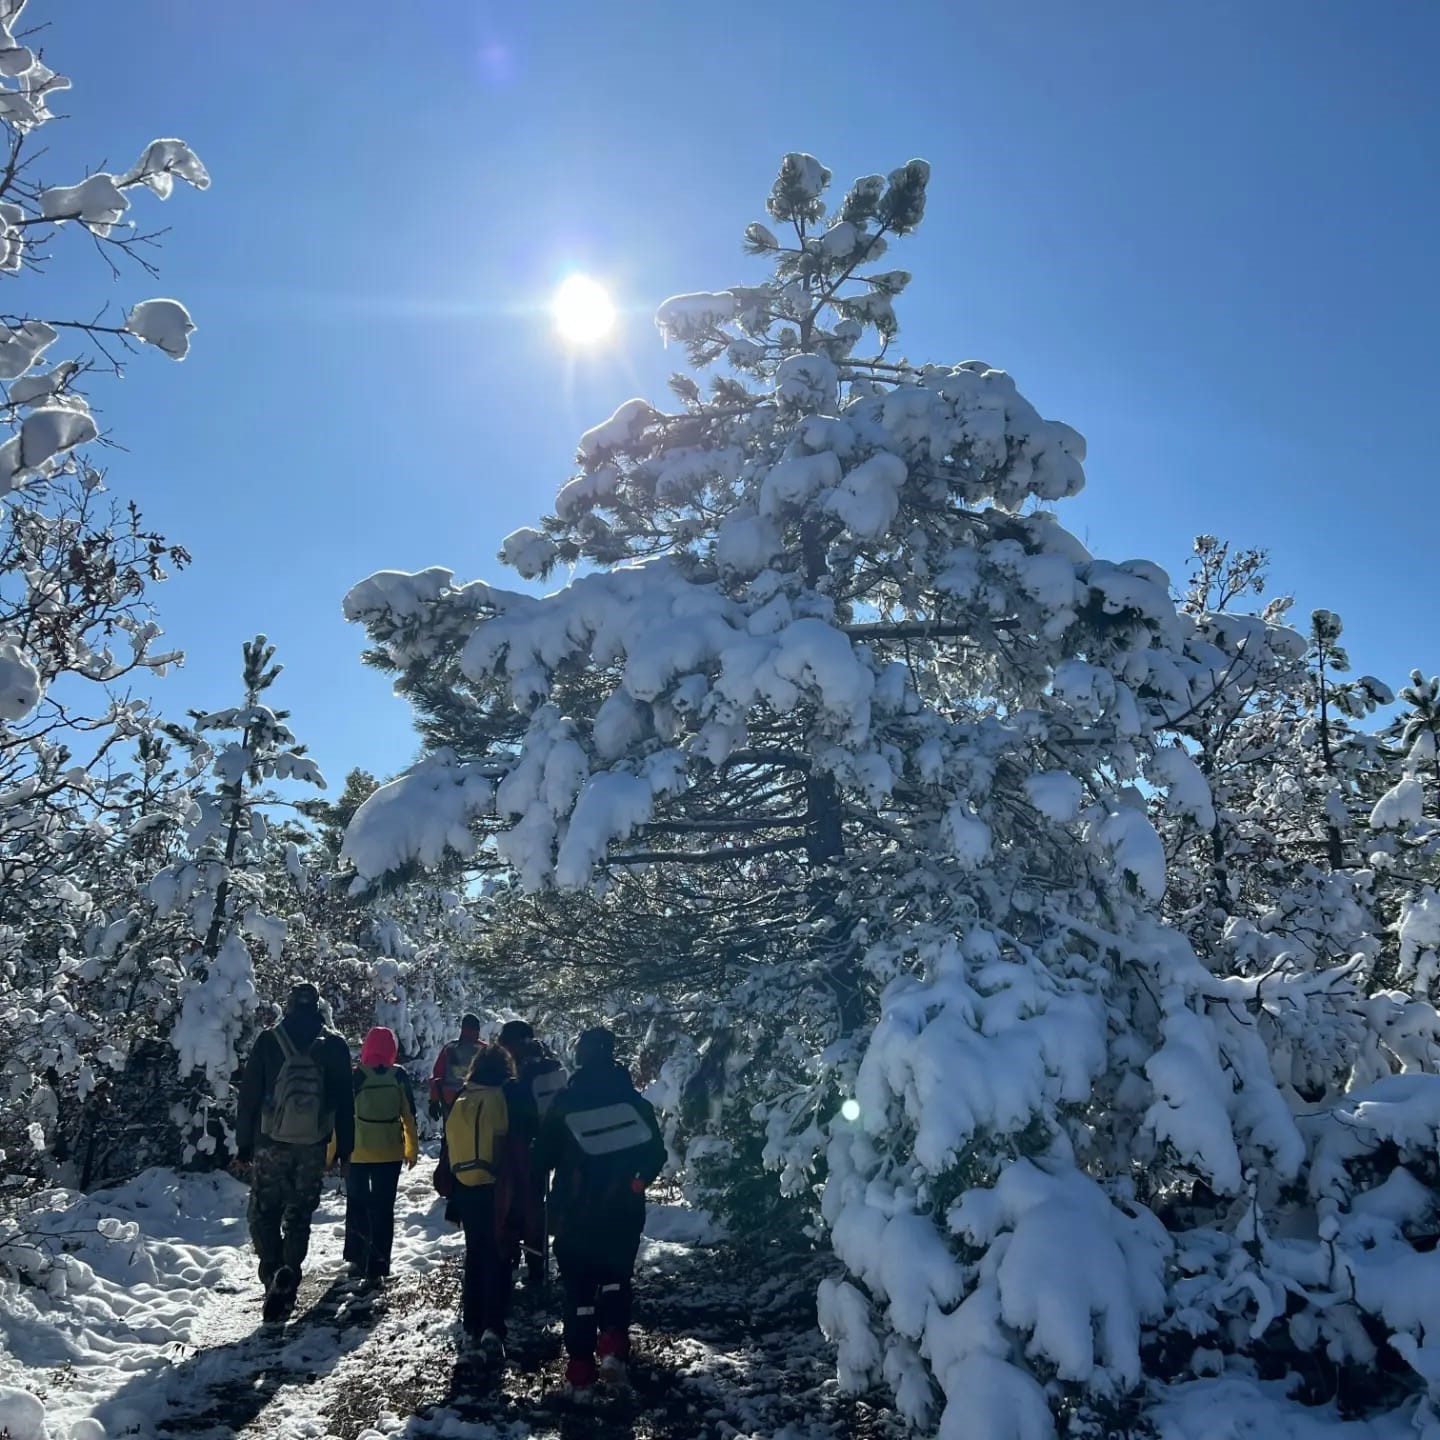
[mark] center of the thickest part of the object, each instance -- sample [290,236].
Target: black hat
[595,1047]
[512,1032]
[303,996]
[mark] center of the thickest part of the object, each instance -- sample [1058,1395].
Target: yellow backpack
[477,1121]
[379,1105]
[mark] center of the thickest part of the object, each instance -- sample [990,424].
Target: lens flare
[850,1110]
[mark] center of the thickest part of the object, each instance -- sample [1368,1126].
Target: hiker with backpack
[385,1139]
[601,1139]
[472,1172]
[452,1065]
[521,1216]
[539,1078]
[294,1095]
[542,1076]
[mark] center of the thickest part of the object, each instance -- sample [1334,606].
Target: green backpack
[378,1107]
[295,1112]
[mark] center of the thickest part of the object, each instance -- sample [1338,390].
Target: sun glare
[583,311]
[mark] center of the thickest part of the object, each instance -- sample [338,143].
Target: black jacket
[597,1201]
[262,1070]
[520,1098]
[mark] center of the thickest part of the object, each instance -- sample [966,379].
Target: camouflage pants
[284,1191]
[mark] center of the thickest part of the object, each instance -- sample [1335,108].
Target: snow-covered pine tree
[401,953]
[1304,916]
[833,646]
[1415,732]
[103,1029]
[210,902]
[1212,851]
[1250,878]
[1405,826]
[74,571]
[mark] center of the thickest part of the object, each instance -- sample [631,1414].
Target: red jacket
[452,1064]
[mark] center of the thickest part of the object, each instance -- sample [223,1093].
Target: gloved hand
[436,1109]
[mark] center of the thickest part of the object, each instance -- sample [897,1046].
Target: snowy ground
[147,1324]
[154,1331]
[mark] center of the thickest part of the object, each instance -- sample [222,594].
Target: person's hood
[380,1047]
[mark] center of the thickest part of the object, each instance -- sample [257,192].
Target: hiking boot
[614,1350]
[567,1395]
[579,1386]
[280,1296]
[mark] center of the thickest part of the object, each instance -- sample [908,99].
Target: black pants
[599,1296]
[370,1215]
[284,1191]
[485,1292]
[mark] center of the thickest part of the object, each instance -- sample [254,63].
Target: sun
[583,312]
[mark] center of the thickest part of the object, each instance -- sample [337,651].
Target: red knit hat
[380,1047]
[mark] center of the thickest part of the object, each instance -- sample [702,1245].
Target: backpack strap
[287,1045]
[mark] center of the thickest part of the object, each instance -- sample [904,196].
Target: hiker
[452,1065]
[601,1139]
[475,1132]
[385,1138]
[546,1077]
[520,1212]
[539,1079]
[515,1037]
[543,1074]
[294,1095]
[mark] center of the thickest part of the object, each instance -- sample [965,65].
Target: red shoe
[581,1372]
[613,1344]
[580,1375]
[613,1351]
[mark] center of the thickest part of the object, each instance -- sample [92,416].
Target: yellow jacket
[381,1143]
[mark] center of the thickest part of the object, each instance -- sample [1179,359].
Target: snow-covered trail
[155,1332]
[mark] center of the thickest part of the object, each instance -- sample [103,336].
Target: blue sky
[1204,235]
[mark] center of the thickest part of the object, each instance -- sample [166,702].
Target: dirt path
[726,1346]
